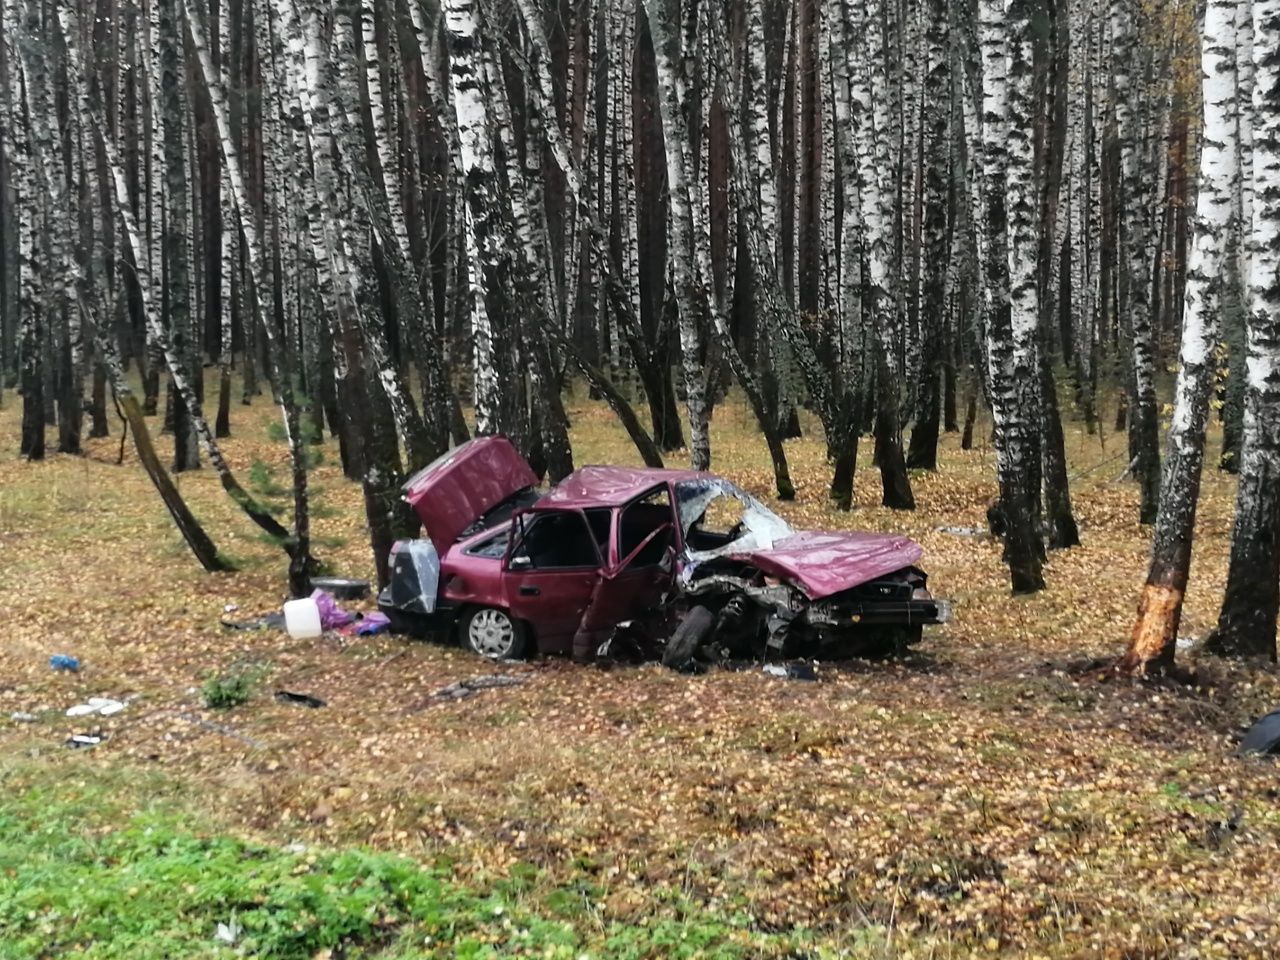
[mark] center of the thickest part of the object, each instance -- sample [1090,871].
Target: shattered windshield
[719,518]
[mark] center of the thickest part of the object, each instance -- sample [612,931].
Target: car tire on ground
[492,632]
[689,636]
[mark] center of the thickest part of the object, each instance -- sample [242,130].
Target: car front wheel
[494,633]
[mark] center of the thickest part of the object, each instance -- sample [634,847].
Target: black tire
[494,633]
[342,588]
[691,633]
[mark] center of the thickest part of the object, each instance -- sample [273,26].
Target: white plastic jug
[302,618]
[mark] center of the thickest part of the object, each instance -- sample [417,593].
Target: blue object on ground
[60,661]
[372,623]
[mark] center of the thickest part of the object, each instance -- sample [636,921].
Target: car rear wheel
[492,632]
[689,636]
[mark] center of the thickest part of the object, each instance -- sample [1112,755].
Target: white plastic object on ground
[302,619]
[102,706]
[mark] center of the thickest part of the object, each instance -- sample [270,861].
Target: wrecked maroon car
[513,571]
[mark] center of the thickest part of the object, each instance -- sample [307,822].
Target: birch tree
[999,35]
[688,289]
[1160,610]
[1130,58]
[1247,621]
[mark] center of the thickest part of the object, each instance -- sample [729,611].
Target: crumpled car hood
[826,563]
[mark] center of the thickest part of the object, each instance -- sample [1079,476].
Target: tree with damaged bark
[408,224]
[1160,610]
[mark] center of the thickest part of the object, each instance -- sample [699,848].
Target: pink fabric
[332,616]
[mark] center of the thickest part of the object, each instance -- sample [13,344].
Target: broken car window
[557,539]
[492,548]
[718,517]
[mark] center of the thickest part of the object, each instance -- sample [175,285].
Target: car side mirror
[521,562]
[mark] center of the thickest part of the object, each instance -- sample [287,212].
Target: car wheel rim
[491,633]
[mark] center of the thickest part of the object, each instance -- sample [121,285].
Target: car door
[550,573]
[641,561]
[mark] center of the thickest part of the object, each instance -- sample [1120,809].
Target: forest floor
[978,798]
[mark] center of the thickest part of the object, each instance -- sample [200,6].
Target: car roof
[601,486]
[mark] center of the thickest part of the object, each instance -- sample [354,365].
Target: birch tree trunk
[33,299]
[689,289]
[1131,113]
[88,108]
[621,293]
[176,225]
[1155,634]
[870,84]
[936,238]
[489,249]
[999,34]
[1247,621]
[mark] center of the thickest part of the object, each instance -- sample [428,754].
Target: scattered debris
[85,741]
[796,670]
[461,689]
[1220,832]
[231,608]
[299,699]
[367,625]
[64,663]
[268,621]
[1263,736]
[964,531]
[101,706]
[21,716]
[227,933]
[303,619]
[342,588]
[332,616]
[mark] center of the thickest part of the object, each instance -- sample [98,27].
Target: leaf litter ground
[978,798]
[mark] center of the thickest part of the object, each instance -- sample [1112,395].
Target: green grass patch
[231,688]
[86,874]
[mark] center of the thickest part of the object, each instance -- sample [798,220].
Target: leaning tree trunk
[714,29]
[1247,621]
[206,553]
[618,287]
[257,272]
[1022,545]
[86,103]
[1151,649]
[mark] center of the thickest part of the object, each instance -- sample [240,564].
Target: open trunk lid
[463,484]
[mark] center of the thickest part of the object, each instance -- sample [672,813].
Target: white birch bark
[1022,207]
[1160,611]
[680,217]
[1136,229]
[488,256]
[1247,622]
[1021,548]
[137,243]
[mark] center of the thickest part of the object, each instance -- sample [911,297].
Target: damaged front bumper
[909,613]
